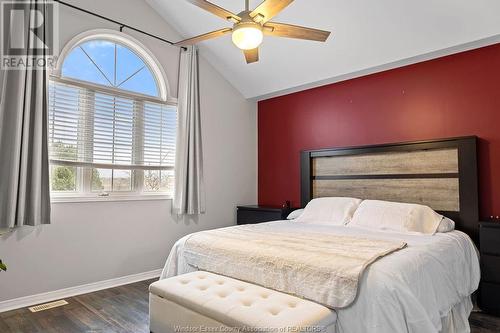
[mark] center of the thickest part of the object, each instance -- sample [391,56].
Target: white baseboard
[26,301]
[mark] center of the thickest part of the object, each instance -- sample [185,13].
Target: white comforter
[407,291]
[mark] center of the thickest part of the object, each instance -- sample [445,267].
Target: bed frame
[441,174]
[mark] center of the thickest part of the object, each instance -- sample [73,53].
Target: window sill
[111,198]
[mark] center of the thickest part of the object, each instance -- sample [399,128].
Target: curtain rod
[122,25]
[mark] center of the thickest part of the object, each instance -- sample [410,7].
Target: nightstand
[489,291]
[258,214]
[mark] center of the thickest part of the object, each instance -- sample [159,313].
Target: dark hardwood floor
[124,310]
[118,310]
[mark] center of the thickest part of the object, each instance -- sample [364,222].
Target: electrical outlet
[495,218]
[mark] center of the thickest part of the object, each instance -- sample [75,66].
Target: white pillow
[331,211]
[446,225]
[400,217]
[295,214]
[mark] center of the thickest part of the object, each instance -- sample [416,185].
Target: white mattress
[411,290]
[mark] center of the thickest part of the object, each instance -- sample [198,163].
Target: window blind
[97,129]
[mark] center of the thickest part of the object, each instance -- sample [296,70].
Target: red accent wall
[452,96]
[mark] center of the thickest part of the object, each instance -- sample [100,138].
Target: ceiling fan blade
[216,10]
[295,31]
[201,38]
[252,55]
[269,9]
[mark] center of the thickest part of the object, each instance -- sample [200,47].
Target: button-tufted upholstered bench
[207,302]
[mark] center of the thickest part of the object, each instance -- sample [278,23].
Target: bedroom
[400,103]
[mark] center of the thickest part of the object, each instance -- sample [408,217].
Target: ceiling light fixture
[247,35]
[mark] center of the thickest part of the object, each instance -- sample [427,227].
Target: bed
[423,287]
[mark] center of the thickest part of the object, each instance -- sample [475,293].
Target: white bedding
[411,290]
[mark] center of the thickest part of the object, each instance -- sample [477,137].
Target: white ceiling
[368,36]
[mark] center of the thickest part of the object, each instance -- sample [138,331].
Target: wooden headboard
[441,174]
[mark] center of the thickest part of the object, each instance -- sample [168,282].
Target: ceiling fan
[249,27]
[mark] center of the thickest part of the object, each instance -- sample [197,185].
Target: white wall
[90,242]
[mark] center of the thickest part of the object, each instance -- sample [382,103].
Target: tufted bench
[211,303]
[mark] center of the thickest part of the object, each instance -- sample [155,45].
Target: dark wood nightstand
[489,291]
[258,214]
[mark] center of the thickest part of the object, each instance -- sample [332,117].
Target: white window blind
[98,129]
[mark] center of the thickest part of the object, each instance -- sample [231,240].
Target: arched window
[112,126]
[111,64]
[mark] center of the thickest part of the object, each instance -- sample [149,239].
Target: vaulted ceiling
[367,36]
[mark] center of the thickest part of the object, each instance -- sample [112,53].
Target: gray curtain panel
[24,164]
[189,197]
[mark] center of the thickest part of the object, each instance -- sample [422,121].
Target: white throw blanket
[323,268]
